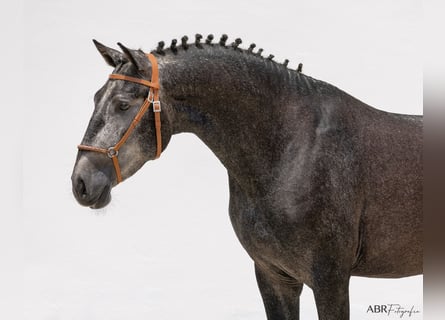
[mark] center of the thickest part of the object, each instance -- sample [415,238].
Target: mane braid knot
[300,67]
[198,38]
[184,44]
[223,40]
[251,47]
[237,42]
[209,39]
[160,48]
[173,47]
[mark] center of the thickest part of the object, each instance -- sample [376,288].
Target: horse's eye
[124,106]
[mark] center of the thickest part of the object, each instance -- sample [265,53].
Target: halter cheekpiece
[151,100]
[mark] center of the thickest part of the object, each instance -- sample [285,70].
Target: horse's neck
[245,110]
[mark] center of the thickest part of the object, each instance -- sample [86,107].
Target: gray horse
[322,186]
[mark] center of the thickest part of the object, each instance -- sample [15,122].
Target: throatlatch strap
[156,103]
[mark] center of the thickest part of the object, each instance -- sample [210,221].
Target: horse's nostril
[81,188]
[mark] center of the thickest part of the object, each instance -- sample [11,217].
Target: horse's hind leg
[332,297]
[281,298]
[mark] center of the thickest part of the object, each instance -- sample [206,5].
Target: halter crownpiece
[151,100]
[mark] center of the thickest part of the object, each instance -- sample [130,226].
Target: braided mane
[184,45]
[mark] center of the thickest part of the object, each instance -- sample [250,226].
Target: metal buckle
[111,152]
[150,97]
[156,106]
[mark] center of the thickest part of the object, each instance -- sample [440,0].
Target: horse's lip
[103,200]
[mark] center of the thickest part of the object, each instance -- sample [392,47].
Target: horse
[322,186]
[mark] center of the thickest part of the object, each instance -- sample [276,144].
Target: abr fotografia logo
[393,309]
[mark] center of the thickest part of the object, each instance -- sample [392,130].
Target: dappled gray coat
[322,186]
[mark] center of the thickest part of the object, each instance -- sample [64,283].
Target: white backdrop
[164,248]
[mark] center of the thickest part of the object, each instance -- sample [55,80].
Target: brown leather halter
[152,99]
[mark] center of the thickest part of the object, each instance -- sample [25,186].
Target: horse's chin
[103,200]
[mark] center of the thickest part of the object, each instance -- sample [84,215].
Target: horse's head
[120,136]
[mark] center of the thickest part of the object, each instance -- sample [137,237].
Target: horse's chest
[262,232]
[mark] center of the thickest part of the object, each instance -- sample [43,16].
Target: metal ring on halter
[111,152]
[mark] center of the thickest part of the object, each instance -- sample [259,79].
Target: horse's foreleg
[331,293]
[281,298]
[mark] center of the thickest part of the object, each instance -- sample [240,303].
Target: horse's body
[322,186]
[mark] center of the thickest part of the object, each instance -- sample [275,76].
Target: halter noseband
[152,99]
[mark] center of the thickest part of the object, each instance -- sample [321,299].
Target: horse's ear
[111,56]
[137,57]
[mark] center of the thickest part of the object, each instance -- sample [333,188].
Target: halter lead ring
[111,152]
[152,99]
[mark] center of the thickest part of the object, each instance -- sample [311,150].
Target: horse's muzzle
[91,188]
